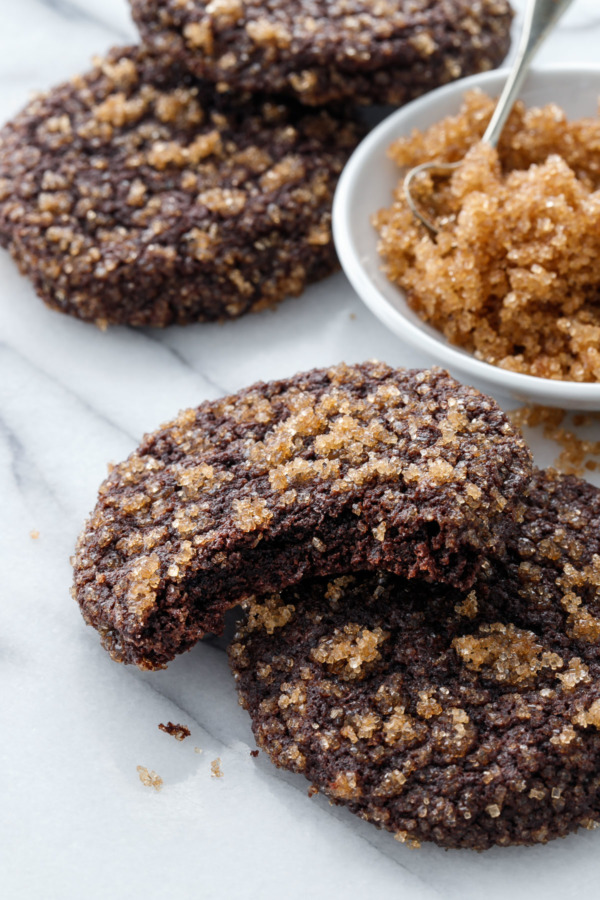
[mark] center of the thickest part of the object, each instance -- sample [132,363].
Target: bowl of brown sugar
[507,292]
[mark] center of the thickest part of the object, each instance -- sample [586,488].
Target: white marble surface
[75,821]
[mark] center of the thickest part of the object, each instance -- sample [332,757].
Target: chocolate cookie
[384,52]
[353,467]
[138,194]
[466,719]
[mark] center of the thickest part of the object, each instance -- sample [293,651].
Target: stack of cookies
[421,623]
[420,634]
[191,178]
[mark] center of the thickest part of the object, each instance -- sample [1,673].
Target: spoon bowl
[541,17]
[367,184]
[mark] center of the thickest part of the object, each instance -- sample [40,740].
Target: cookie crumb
[254,753]
[34,535]
[149,778]
[179,732]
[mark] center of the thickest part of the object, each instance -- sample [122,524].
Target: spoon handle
[540,17]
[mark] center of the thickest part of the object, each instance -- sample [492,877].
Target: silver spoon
[540,18]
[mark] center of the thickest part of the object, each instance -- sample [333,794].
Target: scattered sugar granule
[215,768]
[149,778]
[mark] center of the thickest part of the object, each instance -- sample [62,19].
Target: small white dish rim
[358,253]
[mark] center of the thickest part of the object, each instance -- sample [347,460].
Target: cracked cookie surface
[352,467]
[469,719]
[138,194]
[367,51]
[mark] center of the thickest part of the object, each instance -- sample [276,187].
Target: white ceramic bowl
[366,185]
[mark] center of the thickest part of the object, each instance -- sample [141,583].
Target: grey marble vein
[69,9]
[26,474]
[180,708]
[218,390]
[344,817]
[68,390]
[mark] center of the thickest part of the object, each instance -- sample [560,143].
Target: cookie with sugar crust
[470,719]
[352,467]
[364,51]
[138,194]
